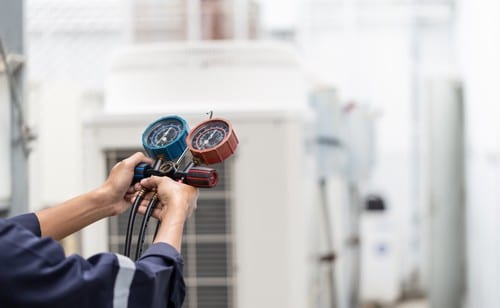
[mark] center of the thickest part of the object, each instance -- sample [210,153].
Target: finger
[137,186]
[156,212]
[145,198]
[154,181]
[129,198]
[146,201]
[137,158]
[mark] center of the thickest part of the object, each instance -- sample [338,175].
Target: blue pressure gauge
[166,138]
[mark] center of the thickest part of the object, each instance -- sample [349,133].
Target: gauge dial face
[164,133]
[210,135]
[212,141]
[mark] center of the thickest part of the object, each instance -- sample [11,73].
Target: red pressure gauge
[212,141]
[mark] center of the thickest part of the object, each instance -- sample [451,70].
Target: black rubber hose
[158,223]
[144,226]
[131,221]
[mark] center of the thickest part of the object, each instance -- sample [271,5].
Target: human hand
[175,198]
[117,191]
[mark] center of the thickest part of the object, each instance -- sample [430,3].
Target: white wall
[479,33]
[56,167]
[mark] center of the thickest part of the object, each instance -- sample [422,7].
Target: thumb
[138,158]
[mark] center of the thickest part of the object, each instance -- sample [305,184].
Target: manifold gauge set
[183,155]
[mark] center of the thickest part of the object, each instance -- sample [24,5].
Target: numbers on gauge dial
[210,135]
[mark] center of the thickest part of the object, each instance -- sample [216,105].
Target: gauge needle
[206,141]
[212,135]
[165,134]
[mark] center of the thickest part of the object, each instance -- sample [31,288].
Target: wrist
[101,197]
[171,229]
[180,205]
[174,214]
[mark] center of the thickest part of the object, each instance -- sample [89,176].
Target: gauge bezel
[171,150]
[221,151]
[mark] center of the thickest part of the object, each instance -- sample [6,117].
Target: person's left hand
[118,190]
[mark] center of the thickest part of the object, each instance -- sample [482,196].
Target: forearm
[171,229]
[73,215]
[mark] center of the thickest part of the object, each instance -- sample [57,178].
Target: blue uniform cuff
[163,250]
[28,221]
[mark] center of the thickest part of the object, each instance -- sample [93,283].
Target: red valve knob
[201,177]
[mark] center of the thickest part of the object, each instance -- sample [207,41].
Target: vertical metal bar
[332,296]
[5,141]
[411,282]
[11,33]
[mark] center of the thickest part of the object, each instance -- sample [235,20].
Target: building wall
[381,54]
[479,43]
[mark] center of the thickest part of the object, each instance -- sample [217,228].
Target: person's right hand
[174,198]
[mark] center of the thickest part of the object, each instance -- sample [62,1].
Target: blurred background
[369,155]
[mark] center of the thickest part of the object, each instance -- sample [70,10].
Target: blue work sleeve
[159,278]
[28,221]
[34,272]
